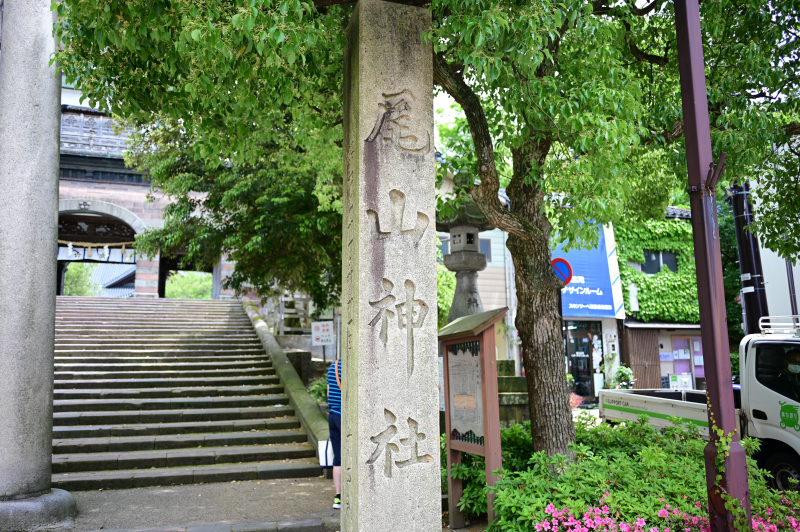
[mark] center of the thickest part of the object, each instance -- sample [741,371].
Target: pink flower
[640,522]
[624,527]
[663,513]
[697,504]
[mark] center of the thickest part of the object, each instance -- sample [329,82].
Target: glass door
[580,350]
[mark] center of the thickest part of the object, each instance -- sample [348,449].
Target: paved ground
[235,502]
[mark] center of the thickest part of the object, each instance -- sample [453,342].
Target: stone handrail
[306,409]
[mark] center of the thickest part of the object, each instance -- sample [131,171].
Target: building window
[655,260]
[486,248]
[444,247]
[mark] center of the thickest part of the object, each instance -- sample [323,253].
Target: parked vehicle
[767,404]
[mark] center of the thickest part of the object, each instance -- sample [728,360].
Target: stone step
[134,310]
[143,315]
[161,303]
[81,462]
[181,441]
[136,478]
[177,333]
[156,352]
[148,320]
[185,427]
[192,403]
[159,364]
[166,374]
[165,360]
[187,339]
[168,416]
[177,354]
[237,341]
[139,302]
[64,313]
[146,300]
[109,329]
[163,383]
[125,317]
[148,393]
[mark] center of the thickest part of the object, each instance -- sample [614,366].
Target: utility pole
[754,295]
[792,292]
[703,177]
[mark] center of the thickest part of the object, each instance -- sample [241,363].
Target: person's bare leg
[337,478]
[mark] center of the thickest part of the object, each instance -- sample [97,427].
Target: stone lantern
[465,258]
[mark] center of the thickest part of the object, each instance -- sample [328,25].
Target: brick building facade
[101,202]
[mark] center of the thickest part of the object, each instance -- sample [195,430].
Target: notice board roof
[472,325]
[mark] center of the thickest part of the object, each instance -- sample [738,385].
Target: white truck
[766,405]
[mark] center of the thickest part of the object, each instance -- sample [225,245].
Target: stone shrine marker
[390,427]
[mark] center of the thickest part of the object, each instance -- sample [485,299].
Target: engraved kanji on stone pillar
[390,398]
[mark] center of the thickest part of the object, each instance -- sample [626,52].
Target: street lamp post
[703,177]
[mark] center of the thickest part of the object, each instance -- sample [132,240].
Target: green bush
[318,390]
[78,280]
[735,364]
[623,379]
[641,468]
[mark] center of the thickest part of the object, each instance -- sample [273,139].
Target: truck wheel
[783,467]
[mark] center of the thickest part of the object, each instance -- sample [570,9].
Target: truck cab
[770,395]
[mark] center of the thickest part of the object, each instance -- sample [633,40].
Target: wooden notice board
[471,403]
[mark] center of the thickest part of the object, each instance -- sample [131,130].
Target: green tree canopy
[273,216]
[189,285]
[581,96]
[78,280]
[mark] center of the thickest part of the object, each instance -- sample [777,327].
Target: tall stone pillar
[390,426]
[29,158]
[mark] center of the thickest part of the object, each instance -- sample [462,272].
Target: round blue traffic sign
[563,270]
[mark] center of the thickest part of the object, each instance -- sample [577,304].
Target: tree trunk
[539,324]
[538,314]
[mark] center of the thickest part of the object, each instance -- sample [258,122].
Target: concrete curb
[306,409]
[315,524]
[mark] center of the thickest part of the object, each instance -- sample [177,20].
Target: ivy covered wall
[664,296]
[668,296]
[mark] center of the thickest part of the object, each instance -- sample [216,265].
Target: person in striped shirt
[335,426]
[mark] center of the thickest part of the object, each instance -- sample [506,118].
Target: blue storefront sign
[590,294]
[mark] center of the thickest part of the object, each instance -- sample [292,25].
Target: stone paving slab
[249,506]
[163,383]
[173,476]
[148,393]
[155,429]
[110,461]
[167,403]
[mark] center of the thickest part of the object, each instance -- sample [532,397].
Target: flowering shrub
[575,400]
[633,469]
[601,519]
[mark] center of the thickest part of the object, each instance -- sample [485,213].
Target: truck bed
[658,404]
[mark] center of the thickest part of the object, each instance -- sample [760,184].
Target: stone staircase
[156,392]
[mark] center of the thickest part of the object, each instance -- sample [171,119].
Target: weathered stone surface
[54,511]
[506,368]
[467,298]
[391,479]
[29,123]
